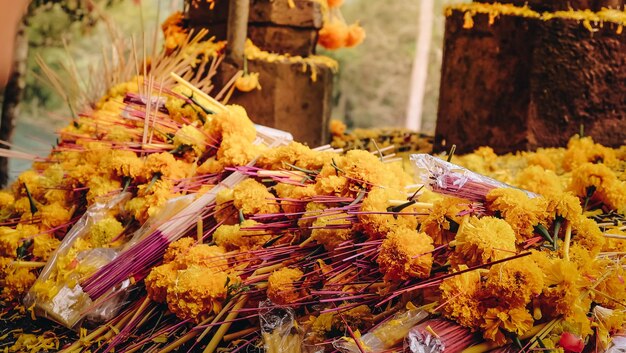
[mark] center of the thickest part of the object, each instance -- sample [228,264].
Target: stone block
[289,99]
[305,13]
[563,5]
[524,83]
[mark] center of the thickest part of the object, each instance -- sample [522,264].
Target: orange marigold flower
[178,248]
[514,282]
[248,82]
[483,240]
[517,321]
[377,226]
[356,35]
[252,197]
[159,280]
[460,295]
[521,212]
[281,285]
[608,188]
[406,254]
[333,35]
[581,150]
[195,294]
[236,237]
[332,230]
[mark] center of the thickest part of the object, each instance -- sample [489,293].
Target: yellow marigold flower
[483,160]
[588,235]
[608,188]
[460,295]
[330,231]
[150,199]
[328,183]
[437,224]
[539,180]
[281,285]
[10,240]
[27,342]
[236,238]
[159,280]
[164,164]
[483,240]
[613,285]
[17,281]
[178,248]
[101,186]
[22,206]
[406,254]
[296,154]
[6,199]
[337,127]
[514,282]
[233,122]
[521,212]
[54,215]
[367,171]
[138,208]
[252,197]
[312,210]
[189,135]
[210,166]
[210,258]
[103,232]
[125,164]
[561,289]
[540,159]
[237,152]
[195,294]
[57,196]
[32,180]
[583,150]
[181,111]
[377,226]
[119,134]
[44,245]
[517,321]
[564,205]
[293,192]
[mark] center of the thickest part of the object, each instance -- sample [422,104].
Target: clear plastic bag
[65,302]
[439,336]
[384,336]
[618,344]
[279,329]
[451,179]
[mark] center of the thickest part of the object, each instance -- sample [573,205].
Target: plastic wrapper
[64,300]
[279,329]
[618,344]
[384,336]
[439,336]
[450,179]
[82,282]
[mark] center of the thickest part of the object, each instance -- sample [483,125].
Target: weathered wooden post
[291,97]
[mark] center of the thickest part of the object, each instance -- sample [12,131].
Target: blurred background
[392,79]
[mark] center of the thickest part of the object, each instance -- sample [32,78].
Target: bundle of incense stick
[451,179]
